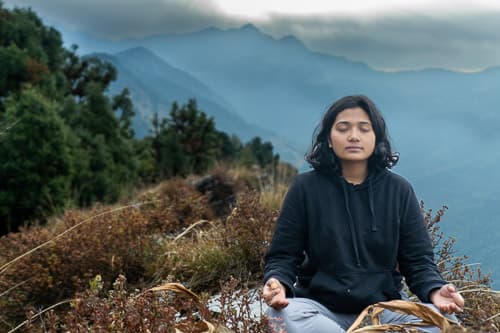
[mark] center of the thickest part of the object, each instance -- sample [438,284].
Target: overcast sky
[385,34]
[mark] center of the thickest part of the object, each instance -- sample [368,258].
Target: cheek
[335,137]
[337,147]
[334,140]
[372,141]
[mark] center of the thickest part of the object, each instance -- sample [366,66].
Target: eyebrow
[348,122]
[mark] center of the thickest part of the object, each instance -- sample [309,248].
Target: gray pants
[303,315]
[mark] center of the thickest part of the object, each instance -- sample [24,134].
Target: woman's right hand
[274,294]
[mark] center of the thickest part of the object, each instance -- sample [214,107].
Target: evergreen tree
[92,154]
[229,147]
[196,133]
[30,54]
[35,161]
[187,142]
[106,161]
[169,156]
[256,152]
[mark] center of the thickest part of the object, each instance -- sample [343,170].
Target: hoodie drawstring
[373,225]
[351,223]
[372,209]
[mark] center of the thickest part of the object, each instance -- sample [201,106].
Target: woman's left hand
[447,299]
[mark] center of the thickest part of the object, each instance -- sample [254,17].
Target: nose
[353,135]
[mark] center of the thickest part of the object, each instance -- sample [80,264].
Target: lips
[353,148]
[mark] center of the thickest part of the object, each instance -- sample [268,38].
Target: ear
[329,143]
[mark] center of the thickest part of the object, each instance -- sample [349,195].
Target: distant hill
[155,85]
[444,124]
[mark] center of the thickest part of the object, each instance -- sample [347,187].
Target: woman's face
[352,137]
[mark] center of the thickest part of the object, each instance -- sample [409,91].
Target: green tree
[35,161]
[105,149]
[186,142]
[36,70]
[169,155]
[13,71]
[106,162]
[30,54]
[196,133]
[256,152]
[122,103]
[80,72]
[229,147]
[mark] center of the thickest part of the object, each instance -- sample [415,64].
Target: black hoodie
[357,239]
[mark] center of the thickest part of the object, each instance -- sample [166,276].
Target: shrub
[170,234]
[218,249]
[121,310]
[104,240]
[482,307]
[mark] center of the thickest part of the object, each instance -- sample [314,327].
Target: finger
[271,295]
[267,291]
[278,303]
[458,299]
[443,308]
[450,308]
[456,308]
[446,308]
[274,284]
[267,294]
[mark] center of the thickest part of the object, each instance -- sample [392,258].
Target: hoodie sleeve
[416,256]
[287,246]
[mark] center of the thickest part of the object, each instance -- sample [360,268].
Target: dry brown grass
[42,266]
[170,234]
[216,250]
[482,307]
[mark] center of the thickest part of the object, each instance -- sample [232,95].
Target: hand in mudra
[274,294]
[447,299]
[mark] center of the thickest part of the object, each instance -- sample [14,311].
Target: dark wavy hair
[322,157]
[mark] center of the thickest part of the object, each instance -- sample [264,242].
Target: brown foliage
[103,241]
[234,308]
[169,234]
[233,246]
[174,206]
[482,308]
[152,310]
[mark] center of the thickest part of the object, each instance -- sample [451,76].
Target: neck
[355,172]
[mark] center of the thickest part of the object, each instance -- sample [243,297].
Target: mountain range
[443,123]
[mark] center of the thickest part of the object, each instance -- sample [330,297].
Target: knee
[284,320]
[275,322]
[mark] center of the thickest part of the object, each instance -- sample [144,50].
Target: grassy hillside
[97,266]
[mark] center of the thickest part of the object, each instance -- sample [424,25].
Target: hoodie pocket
[351,292]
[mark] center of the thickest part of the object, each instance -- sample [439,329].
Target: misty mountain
[443,123]
[155,85]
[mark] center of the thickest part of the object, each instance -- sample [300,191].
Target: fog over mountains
[444,124]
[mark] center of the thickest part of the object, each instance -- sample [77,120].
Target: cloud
[399,40]
[118,19]
[406,41]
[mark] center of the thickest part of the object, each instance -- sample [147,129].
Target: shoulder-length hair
[322,157]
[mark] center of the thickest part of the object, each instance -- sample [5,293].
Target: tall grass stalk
[273,188]
[111,211]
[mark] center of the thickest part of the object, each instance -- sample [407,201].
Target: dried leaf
[429,317]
